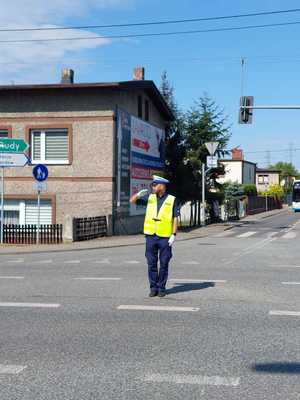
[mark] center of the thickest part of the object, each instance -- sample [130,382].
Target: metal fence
[258,204]
[27,234]
[89,228]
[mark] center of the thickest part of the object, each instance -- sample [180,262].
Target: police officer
[160,228]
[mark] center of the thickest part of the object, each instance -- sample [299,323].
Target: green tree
[204,122]
[178,170]
[232,189]
[286,168]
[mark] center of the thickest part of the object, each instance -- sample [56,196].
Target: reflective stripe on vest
[160,224]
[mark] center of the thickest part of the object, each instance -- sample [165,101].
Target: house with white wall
[237,169]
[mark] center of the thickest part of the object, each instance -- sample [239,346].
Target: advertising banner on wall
[140,155]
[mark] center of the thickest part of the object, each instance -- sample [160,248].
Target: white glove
[172,239]
[142,193]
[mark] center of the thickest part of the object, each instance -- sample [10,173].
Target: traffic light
[245,114]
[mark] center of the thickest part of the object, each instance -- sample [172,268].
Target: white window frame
[43,133]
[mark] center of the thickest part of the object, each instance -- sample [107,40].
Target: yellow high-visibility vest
[160,224]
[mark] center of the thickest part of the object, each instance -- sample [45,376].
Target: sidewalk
[131,240]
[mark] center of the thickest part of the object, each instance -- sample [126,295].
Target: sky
[196,64]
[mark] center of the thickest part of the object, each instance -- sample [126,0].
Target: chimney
[139,74]
[67,76]
[237,154]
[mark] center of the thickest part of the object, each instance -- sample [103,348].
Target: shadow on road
[277,368]
[188,287]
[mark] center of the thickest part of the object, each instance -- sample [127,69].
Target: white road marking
[193,379]
[18,260]
[285,313]
[33,305]
[247,234]
[225,233]
[132,262]
[86,278]
[11,369]
[289,235]
[104,261]
[290,283]
[190,263]
[157,308]
[42,262]
[284,266]
[11,277]
[197,280]
[72,262]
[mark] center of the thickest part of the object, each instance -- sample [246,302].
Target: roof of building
[148,86]
[268,170]
[244,161]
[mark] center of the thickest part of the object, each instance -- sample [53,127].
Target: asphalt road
[80,325]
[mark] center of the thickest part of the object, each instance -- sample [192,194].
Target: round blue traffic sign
[40,172]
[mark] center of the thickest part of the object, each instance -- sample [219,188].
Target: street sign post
[40,174]
[11,155]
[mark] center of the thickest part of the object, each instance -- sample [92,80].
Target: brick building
[72,128]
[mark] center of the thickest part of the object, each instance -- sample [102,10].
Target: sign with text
[8,145]
[211,162]
[13,160]
[141,154]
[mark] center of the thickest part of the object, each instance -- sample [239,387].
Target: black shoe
[153,293]
[161,294]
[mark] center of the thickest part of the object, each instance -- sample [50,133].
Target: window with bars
[50,146]
[3,133]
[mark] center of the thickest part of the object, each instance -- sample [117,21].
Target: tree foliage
[286,168]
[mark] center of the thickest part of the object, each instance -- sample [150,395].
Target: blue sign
[40,172]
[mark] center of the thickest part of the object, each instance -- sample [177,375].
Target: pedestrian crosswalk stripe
[290,283]
[193,379]
[157,308]
[225,233]
[247,234]
[11,369]
[289,235]
[285,313]
[72,262]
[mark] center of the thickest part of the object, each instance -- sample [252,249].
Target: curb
[42,251]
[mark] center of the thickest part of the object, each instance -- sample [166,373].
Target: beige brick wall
[84,188]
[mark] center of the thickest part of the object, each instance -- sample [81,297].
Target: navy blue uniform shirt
[144,200]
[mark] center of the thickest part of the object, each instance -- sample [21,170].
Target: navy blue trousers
[158,248]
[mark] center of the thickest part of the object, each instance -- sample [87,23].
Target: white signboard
[40,186]
[211,162]
[13,160]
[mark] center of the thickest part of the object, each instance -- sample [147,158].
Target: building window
[140,107]
[146,110]
[50,146]
[25,212]
[3,133]
[263,179]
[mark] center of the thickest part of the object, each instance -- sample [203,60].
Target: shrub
[250,190]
